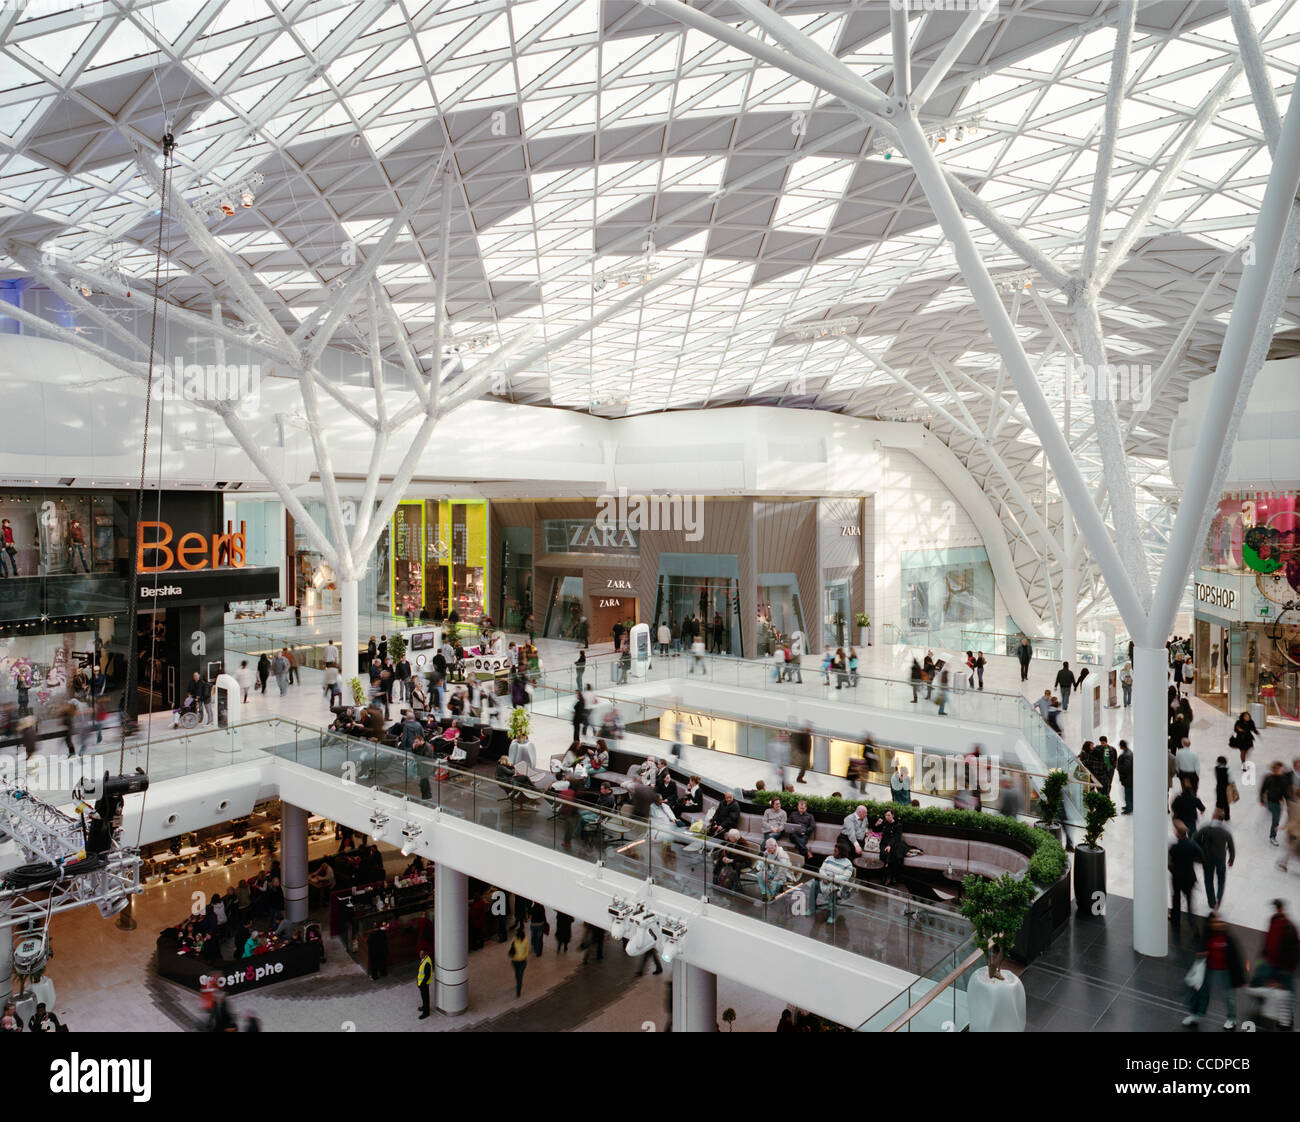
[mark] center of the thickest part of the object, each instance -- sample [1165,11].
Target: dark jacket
[1184,856]
[796,823]
[1064,679]
[726,817]
[1124,765]
[1187,805]
[1216,842]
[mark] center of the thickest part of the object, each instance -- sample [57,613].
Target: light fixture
[643,937]
[378,820]
[889,153]
[943,136]
[821,329]
[620,911]
[227,207]
[410,832]
[671,934]
[247,197]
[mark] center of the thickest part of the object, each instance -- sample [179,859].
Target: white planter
[863,632]
[995,1006]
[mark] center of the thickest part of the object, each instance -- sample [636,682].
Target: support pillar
[293,861]
[450,940]
[695,999]
[1150,800]
[1070,594]
[6,963]
[349,640]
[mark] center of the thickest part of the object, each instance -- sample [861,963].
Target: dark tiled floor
[1092,980]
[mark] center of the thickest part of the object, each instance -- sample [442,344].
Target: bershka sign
[154,552]
[162,590]
[244,976]
[102,1077]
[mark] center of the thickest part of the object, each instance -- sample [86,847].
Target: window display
[946,591]
[780,613]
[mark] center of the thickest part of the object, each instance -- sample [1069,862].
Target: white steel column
[695,999]
[293,861]
[350,638]
[450,940]
[1150,800]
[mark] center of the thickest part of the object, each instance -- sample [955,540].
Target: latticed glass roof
[593,144]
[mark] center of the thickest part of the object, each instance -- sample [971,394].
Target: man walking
[292,656]
[1215,840]
[1184,856]
[1024,653]
[423,975]
[1065,682]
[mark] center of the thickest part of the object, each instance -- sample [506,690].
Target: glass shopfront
[836,619]
[704,587]
[516,594]
[780,613]
[946,591]
[564,608]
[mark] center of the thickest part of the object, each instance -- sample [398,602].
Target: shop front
[743,572]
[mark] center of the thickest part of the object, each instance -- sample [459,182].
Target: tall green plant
[1052,797]
[358,694]
[996,910]
[451,634]
[1098,809]
[397,647]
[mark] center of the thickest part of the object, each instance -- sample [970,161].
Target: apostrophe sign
[192,552]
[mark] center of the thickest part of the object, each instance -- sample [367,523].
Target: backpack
[727,877]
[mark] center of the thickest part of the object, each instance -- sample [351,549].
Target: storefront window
[780,613]
[516,576]
[946,592]
[406,542]
[836,631]
[564,608]
[705,589]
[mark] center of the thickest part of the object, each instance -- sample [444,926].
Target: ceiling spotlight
[671,933]
[378,819]
[84,289]
[411,832]
[227,207]
[889,153]
[247,198]
[822,329]
[943,136]
[960,134]
[643,937]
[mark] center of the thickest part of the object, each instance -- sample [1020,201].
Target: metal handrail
[943,983]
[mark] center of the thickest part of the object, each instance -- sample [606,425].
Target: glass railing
[255,637]
[935,1002]
[896,694]
[889,927]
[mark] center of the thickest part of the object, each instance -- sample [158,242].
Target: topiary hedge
[1046,865]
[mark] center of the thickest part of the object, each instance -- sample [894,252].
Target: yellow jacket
[425,972]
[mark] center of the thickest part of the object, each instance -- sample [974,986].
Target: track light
[671,934]
[643,936]
[247,198]
[227,207]
[411,832]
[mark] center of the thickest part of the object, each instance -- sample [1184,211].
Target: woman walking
[518,956]
[1243,736]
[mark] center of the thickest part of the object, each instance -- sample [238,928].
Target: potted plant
[519,724]
[1089,857]
[863,621]
[397,647]
[729,1019]
[1051,801]
[996,910]
[358,694]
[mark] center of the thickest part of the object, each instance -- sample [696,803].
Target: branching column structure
[343,543]
[1148,616]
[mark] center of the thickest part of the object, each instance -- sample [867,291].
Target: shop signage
[213,586]
[1217,594]
[192,552]
[615,603]
[591,535]
[619,584]
[850,531]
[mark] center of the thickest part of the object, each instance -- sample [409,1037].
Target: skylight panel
[124,42]
[56,50]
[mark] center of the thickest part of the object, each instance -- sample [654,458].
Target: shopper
[263,672]
[1124,766]
[1184,856]
[563,931]
[1126,683]
[423,976]
[980,663]
[1024,653]
[1272,794]
[1065,681]
[292,656]
[1187,806]
[1215,840]
[593,939]
[280,668]
[1223,966]
[517,953]
[538,927]
[1244,731]
[244,677]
